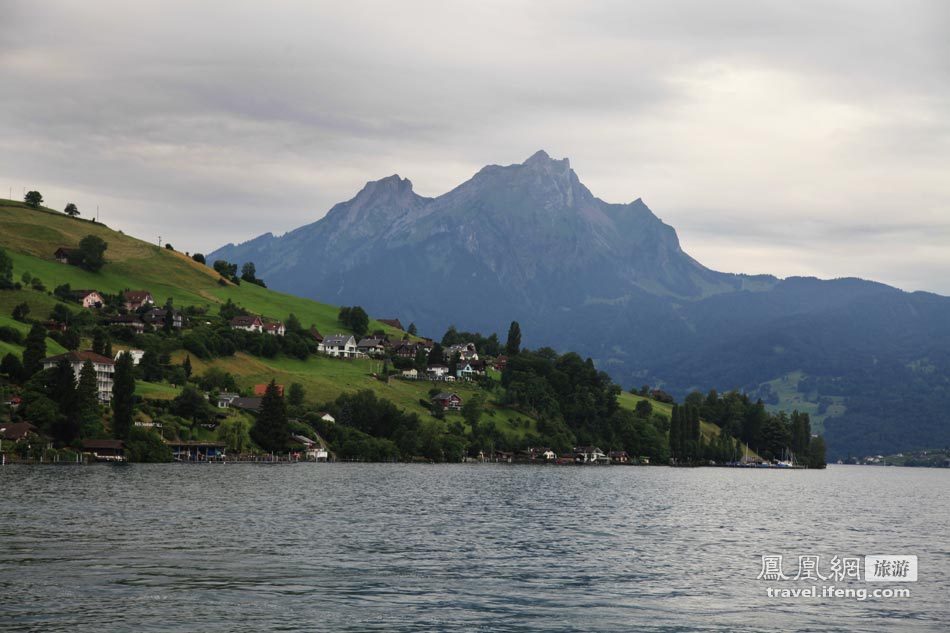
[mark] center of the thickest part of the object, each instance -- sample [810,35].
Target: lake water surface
[465,548]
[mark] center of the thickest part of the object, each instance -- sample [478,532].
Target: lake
[363,547]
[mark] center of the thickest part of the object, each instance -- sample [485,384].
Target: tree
[412,330]
[169,322]
[436,355]
[355,318]
[71,210]
[33,199]
[249,272]
[186,366]
[150,367]
[87,401]
[168,246]
[20,312]
[198,257]
[192,405]
[99,341]
[35,350]
[513,345]
[293,324]
[816,453]
[472,410]
[295,395]
[6,270]
[63,392]
[11,366]
[235,432]
[643,409]
[123,397]
[271,431]
[92,249]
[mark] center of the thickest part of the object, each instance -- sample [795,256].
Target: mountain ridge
[530,242]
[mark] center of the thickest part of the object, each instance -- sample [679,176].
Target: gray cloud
[793,138]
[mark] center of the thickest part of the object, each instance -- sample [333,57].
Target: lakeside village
[81,405]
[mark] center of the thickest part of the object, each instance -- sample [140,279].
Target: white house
[88,298]
[225,398]
[339,346]
[438,372]
[104,366]
[466,351]
[277,329]
[410,374]
[136,355]
[247,323]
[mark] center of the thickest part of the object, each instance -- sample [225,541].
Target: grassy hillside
[30,236]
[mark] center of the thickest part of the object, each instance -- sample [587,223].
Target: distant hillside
[31,236]
[530,242]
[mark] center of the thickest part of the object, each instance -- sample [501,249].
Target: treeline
[575,404]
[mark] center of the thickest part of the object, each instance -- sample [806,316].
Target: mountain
[530,242]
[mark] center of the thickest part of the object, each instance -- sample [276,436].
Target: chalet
[590,455]
[104,366]
[448,401]
[619,457]
[410,374]
[67,255]
[407,349]
[371,346]
[55,326]
[156,318]
[275,329]
[339,346]
[437,372]
[260,390]
[88,298]
[136,354]
[471,369]
[466,351]
[225,398]
[105,450]
[247,323]
[129,321]
[16,431]
[246,404]
[196,450]
[135,299]
[392,323]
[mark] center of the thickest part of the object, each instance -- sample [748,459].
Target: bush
[146,446]
[11,335]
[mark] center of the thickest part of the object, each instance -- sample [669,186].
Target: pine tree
[35,350]
[123,397]
[675,433]
[63,392]
[87,401]
[411,330]
[271,431]
[99,339]
[513,345]
[186,365]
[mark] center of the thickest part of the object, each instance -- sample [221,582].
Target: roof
[66,250]
[195,443]
[85,292]
[80,357]
[16,430]
[337,339]
[245,320]
[315,333]
[261,389]
[110,444]
[392,323]
[371,341]
[250,404]
[273,326]
[445,396]
[137,295]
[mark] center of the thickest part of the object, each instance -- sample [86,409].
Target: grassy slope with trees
[30,235]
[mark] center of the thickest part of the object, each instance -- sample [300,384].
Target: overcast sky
[782,137]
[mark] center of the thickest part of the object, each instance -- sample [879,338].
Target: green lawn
[790,399]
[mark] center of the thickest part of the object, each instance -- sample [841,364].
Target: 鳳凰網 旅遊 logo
[823,571]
